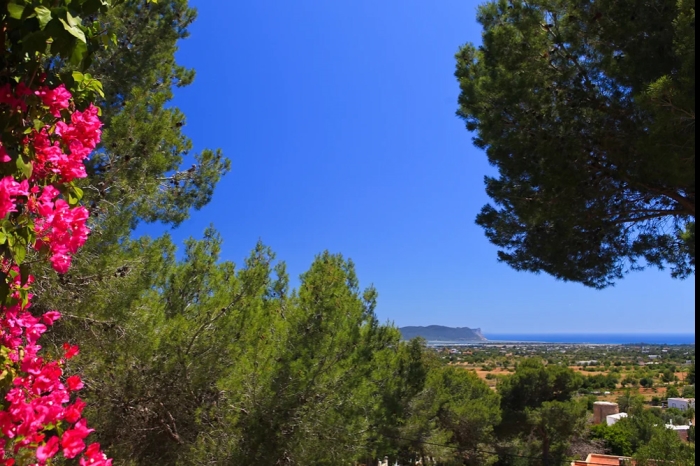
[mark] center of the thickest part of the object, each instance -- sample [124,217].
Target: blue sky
[339,119]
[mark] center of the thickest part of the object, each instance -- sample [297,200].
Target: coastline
[574,339]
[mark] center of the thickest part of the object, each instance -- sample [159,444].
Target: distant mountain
[441,333]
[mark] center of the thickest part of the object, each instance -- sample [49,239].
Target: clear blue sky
[339,119]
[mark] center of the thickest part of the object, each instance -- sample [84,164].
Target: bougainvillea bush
[48,128]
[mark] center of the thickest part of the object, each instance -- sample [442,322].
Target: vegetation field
[607,371]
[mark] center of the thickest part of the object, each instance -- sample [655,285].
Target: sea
[597,338]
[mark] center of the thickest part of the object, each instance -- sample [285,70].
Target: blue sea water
[598,338]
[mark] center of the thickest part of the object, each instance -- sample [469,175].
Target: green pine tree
[587,109]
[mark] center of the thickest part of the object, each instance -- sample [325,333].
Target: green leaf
[38,124]
[74,21]
[78,192]
[44,15]
[25,167]
[3,237]
[15,10]
[78,53]
[96,86]
[75,31]
[19,252]
[78,76]
[74,195]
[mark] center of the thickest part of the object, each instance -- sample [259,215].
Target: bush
[590,399]
[689,391]
[672,392]
[646,382]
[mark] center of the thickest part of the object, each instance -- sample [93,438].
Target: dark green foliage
[452,419]
[587,109]
[690,378]
[206,363]
[668,376]
[672,392]
[532,384]
[646,382]
[303,393]
[665,449]
[630,434]
[540,418]
[402,374]
[617,437]
[689,391]
[600,381]
[630,403]
[552,427]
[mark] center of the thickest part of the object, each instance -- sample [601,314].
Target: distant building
[653,356]
[600,460]
[613,418]
[587,363]
[681,403]
[682,431]
[602,409]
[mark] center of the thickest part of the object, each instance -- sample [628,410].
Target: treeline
[197,361]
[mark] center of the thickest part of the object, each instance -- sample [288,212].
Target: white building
[681,403]
[613,418]
[682,431]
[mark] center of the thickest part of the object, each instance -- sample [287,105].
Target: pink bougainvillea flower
[70,350]
[72,440]
[74,411]
[9,190]
[50,317]
[56,99]
[95,457]
[47,450]
[74,383]
[37,401]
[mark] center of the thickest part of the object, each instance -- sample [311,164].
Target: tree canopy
[587,110]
